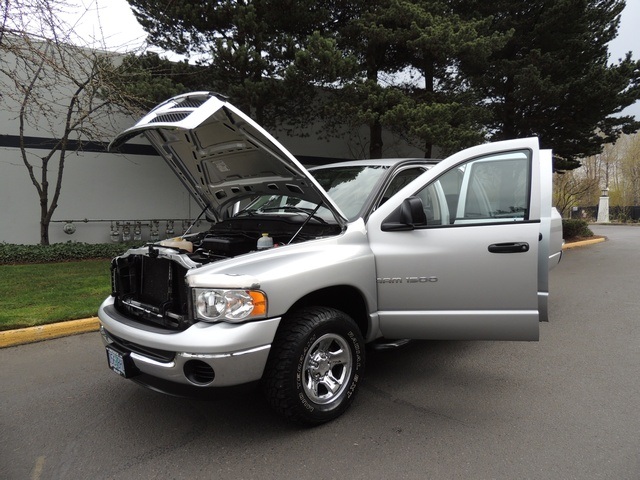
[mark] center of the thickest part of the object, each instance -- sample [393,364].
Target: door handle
[513,247]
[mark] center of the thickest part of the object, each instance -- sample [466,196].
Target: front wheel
[315,365]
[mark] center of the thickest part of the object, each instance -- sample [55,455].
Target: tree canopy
[554,78]
[449,73]
[405,80]
[247,45]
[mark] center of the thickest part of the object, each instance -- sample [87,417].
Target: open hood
[221,155]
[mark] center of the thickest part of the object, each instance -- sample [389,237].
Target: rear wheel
[315,365]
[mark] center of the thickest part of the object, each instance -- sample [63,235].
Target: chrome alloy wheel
[327,367]
[315,365]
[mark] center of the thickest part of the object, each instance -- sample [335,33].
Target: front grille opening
[199,372]
[151,290]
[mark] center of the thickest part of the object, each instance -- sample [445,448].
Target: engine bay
[240,235]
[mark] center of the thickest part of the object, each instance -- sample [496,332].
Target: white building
[105,192]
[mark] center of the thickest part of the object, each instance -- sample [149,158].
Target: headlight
[212,305]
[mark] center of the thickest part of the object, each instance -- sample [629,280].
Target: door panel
[461,276]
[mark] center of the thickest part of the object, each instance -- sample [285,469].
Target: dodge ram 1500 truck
[300,270]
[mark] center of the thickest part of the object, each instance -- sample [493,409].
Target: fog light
[199,372]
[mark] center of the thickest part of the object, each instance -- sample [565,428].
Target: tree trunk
[44,232]
[428,70]
[428,149]
[375,133]
[375,128]
[44,210]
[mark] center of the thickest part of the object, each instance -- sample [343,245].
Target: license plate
[118,362]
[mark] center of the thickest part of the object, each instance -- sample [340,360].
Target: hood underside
[221,155]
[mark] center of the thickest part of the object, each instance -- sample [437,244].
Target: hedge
[59,252]
[574,228]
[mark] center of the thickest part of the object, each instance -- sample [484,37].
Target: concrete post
[603,207]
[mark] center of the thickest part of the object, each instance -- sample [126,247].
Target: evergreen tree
[449,73]
[272,57]
[553,78]
[404,79]
[248,46]
[370,35]
[444,111]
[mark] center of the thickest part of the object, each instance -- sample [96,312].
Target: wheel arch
[345,298]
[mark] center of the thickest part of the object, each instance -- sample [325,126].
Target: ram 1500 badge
[299,271]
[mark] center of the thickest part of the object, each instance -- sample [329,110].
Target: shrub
[574,228]
[59,252]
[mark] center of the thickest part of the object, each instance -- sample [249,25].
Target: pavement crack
[405,403]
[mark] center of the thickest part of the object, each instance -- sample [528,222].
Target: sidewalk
[11,338]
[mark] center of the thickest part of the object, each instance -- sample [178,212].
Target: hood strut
[195,221]
[311,214]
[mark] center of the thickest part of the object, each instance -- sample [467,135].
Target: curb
[21,336]
[11,338]
[583,243]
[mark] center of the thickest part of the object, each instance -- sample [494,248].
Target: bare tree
[627,174]
[39,17]
[70,93]
[571,189]
[616,168]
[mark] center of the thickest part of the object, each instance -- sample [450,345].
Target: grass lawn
[36,294]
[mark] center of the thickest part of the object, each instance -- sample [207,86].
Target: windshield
[348,186]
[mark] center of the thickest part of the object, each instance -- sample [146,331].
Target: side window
[402,179]
[432,204]
[485,190]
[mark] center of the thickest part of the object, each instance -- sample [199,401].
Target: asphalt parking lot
[565,407]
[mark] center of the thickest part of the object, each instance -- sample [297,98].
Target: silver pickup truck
[300,270]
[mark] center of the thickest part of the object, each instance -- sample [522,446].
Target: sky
[113,21]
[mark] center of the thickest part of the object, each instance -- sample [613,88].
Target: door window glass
[484,190]
[401,180]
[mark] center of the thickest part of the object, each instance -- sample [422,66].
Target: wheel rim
[327,368]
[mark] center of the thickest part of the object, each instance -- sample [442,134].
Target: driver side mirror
[409,215]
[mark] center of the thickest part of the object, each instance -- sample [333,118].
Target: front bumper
[204,355]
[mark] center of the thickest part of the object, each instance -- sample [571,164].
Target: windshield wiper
[303,211]
[242,213]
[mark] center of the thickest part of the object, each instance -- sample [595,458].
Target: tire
[315,365]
